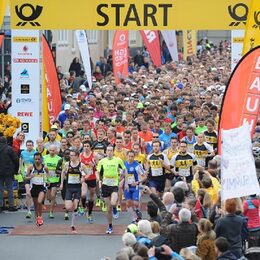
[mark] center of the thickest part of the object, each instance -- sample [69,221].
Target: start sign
[129,14]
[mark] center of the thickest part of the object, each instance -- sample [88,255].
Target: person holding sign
[110,170]
[37,174]
[77,173]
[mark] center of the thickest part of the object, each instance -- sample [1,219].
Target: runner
[157,163]
[108,172]
[211,136]
[183,163]
[190,139]
[76,173]
[51,161]
[87,158]
[37,174]
[26,160]
[203,151]
[134,176]
[59,169]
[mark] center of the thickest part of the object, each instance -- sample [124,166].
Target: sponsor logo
[238,13]
[257,21]
[23,100]
[24,74]
[25,114]
[25,60]
[25,88]
[25,127]
[34,14]
[25,39]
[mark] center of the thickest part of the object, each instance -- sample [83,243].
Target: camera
[158,250]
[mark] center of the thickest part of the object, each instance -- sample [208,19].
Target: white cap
[67,107]
[83,88]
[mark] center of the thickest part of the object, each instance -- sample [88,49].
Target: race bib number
[38,180]
[201,162]
[130,179]
[184,172]
[156,172]
[110,182]
[74,179]
[52,174]
[89,170]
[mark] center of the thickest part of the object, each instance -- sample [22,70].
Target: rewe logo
[34,14]
[24,74]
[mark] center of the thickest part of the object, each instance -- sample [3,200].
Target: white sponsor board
[238,172]
[84,52]
[237,40]
[26,81]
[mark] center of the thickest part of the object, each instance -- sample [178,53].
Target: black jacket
[9,161]
[228,255]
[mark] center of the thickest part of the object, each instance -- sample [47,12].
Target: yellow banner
[129,14]
[3,5]
[189,43]
[45,118]
[252,33]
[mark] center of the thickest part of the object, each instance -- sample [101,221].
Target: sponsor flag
[237,39]
[52,83]
[84,52]
[45,117]
[241,101]
[171,42]
[1,39]
[3,5]
[238,172]
[152,42]
[120,55]
[189,43]
[252,32]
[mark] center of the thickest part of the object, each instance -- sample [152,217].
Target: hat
[67,107]
[145,87]
[180,85]
[83,88]
[54,127]
[140,105]
[143,76]
[132,228]
[69,95]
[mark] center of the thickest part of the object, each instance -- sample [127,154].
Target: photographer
[164,250]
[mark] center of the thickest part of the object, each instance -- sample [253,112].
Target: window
[92,36]
[132,37]
[63,36]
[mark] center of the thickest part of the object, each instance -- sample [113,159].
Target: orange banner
[120,55]
[242,98]
[1,39]
[52,82]
[152,43]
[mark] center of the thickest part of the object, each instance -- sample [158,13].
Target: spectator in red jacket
[18,141]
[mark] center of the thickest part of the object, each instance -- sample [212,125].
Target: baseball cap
[67,107]
[69,95]
[54,127]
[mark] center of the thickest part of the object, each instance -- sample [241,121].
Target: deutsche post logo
[257,20]
[238,13]
[35,13]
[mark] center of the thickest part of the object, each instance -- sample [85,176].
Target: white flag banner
[237,41]
[84,52]
[238,172]
[171,42]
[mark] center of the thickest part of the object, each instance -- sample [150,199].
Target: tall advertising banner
[3,5]
[237,39]
[84,52]
[45,115]
[238,172]
[120,55]
[1,39]
[26,81]
[171,42]
[242,97]
[152,42]
[52,83]
[189,43]
[252,32]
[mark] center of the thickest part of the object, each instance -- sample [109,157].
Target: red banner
[152,42]
[120,55]
[242,98]
[1,39]
[52,82]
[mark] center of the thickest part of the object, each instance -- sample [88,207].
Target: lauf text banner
[130,14]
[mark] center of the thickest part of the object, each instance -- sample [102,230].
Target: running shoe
[119,208]
[51,215]
[90,219]
[40,221]
[109,230]
[29,214]
[98,202]
[103,206]
[73,230]
[115,213]
[81,211]
[66,216]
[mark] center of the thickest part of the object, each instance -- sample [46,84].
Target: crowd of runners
[155,134]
